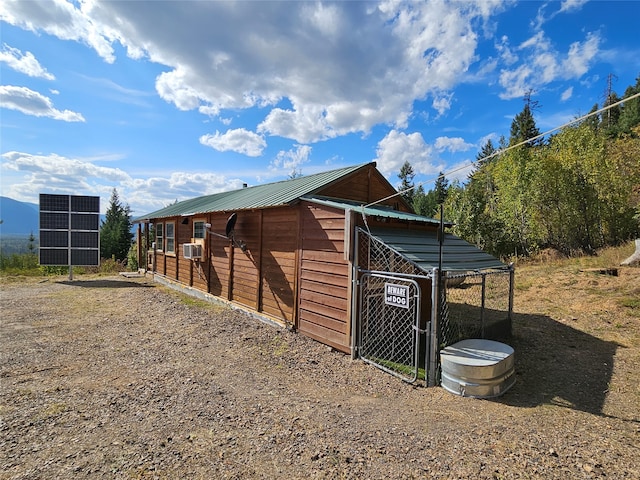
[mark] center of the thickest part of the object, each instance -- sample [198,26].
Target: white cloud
[452,144]
[542,64]
[571,5]
[173,87]
[580,56]
[53,173]
[566,6]
[567,94]
[34,174]
[335,81]
[58,169]
[290,160]
[397,147]
[487,66]
[24,63]
[61,19]
[506,53]
[304,124]
[239,140]
[155,191]
[325,18]
[442,103]
[516,82]
[33,103]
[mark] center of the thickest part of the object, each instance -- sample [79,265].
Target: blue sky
[175,99]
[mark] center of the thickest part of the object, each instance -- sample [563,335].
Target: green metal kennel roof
[259,196]
[422,248]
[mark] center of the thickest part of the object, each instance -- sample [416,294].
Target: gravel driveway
[110,377]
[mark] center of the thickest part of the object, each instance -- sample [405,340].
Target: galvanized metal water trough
[478,368]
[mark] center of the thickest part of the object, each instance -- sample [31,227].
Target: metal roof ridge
[384,210]
[250,197]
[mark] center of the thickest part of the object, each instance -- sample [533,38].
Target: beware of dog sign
[396,295]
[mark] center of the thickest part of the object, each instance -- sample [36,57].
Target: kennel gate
[390,336]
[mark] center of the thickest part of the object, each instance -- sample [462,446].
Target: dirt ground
[109,377]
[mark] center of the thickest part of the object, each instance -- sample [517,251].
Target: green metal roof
[260,196]
[373,211]
[423,249]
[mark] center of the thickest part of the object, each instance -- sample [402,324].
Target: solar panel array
[69,230]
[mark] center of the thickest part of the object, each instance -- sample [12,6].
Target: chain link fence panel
[475,305]
[389,320]
[471,305]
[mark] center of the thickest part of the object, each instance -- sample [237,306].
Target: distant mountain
[18,218]
[23,218]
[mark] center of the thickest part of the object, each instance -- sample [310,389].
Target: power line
[501,151]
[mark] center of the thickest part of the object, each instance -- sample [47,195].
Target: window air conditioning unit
[191,251]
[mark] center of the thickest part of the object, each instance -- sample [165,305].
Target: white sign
[396,295]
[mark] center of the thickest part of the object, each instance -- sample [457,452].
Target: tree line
[575,191]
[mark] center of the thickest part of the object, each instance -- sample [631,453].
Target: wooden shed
[286,250]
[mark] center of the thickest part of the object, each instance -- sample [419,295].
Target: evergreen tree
[611,116]
[630,114]
[441,188]
[594,120]
[524,126]
[32,243]
[115,231]
[488,152]
[419,202]
[406,176]
[425,204]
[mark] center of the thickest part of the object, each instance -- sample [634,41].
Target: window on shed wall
[198,229]
[159,237]
[170,240]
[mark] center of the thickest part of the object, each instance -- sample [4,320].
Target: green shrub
[19,263]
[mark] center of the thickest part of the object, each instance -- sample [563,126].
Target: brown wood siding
[244,273]
[199,275]
[161,266]
[323,312]
[218,257]
[278,263]
[366,185]
[184,269]
[219,276]
[353,188]
[170,266]
[183,235]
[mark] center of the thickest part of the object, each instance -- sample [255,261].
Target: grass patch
[406,370]
[523,285]
[195,302]
[631,302]
[279,345]
[53,410]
